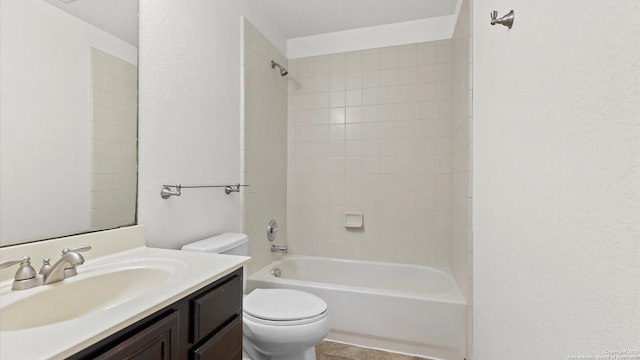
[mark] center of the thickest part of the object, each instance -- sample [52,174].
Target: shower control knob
[272,230]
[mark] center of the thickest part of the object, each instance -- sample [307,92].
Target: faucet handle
[78,249]
[26,276]
[25,272]
[7,263]
[70,268]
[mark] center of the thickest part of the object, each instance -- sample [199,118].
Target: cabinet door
[214,308]
[225,345]
[158,341]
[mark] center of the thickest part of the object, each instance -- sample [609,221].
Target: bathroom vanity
[204,325]
[127,301]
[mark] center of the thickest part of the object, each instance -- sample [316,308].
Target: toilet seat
[282,307]
[247,317]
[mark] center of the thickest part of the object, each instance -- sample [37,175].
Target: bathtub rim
[451,296]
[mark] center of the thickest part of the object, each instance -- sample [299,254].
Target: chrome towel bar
[168,190]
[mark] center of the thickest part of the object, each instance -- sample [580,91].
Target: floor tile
[370,354]
[320,356]
[341,350]
[329,350]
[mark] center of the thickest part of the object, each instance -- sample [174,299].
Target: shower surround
[371,131]
[383,131]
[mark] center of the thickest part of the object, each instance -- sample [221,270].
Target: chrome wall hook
[506,20]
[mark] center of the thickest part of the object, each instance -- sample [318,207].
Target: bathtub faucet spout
[279,248]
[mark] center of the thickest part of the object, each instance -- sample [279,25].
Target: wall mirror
[68,117]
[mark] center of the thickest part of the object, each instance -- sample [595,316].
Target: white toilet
[277,324]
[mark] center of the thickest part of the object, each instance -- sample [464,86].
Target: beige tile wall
[371,131]
[461,161]
[264,146]
[114,124]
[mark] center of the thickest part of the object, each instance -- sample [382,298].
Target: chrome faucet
[279,248]
[65,266]
[26,276]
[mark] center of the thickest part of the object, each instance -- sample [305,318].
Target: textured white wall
[556,158]
[189,118]
[190,126]
[461,165]
[45,133]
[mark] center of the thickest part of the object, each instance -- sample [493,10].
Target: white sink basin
[96,288]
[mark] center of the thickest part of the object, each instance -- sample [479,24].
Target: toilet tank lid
[219,243]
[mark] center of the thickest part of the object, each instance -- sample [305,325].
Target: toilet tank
[227,243]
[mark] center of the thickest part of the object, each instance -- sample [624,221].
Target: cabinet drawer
[225,345]
[216,307]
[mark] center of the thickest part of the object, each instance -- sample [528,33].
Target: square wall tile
[354,62]
[371,60]
[370,79]
[353,114]
[389,57]
[407,55]
[337,99]
[354,81]
[353,97]
[371,96]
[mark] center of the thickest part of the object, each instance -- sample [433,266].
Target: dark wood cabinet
[214,308]
[205,325]
[158,341]
[224,345]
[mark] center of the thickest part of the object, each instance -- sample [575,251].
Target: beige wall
[370,131]
[264,146]
[461,164]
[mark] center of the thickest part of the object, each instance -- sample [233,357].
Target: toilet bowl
[277,324]
[283,324]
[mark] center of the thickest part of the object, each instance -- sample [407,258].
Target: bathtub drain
[276,272]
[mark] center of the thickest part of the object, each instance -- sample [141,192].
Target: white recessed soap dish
[353,219]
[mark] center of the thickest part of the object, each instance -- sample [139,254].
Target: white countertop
[62,339]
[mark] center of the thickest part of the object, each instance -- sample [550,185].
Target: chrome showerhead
[283,71]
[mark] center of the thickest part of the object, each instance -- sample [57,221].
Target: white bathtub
[402,308]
